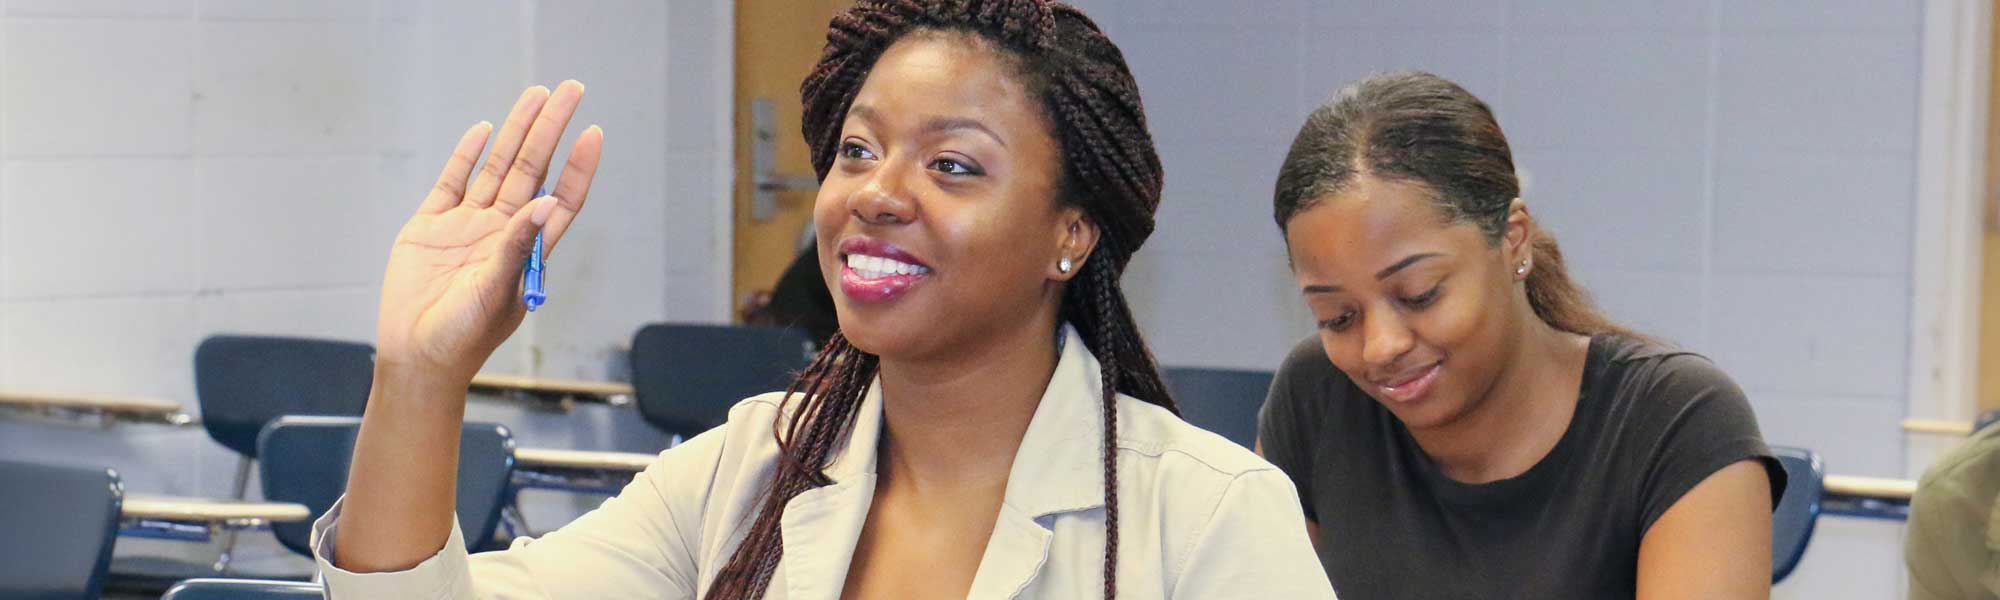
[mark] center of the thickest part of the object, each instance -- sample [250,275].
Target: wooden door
[777,42]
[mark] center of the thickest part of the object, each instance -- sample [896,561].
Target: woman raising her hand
[988,423]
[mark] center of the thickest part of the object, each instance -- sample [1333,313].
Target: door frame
[1956,53]
[724,169]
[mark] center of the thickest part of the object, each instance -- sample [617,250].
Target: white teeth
[875,267]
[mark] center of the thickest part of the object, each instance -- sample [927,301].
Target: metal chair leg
[229,534]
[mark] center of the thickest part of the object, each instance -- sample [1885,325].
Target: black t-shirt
[1650,423]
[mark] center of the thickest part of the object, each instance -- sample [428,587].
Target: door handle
[765,182]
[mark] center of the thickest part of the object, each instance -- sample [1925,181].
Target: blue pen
[535,295]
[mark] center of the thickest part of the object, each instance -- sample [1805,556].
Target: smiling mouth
[878,267]
[1409,386]
[875,271]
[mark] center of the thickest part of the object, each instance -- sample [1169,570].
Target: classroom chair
[1792,522]
[1224,401]
[244,381]
[305,459]
[1985,419]
[59,524]
[243,589]
[687,377]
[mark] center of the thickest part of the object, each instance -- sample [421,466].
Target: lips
[875,271]
[1408,386]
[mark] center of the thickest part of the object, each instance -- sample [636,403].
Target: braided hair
[1109,170]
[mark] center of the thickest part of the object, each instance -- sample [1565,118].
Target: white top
[1199,517]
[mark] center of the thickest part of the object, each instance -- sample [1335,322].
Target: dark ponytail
[1420,128]
[1110,170]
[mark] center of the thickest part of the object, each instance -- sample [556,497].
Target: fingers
[574,186]
[531,165]
[505,146]
[450,187]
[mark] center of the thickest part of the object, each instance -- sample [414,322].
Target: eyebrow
[931,125]
[1379,275]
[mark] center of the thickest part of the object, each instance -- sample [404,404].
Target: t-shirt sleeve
[1704,423]
[1291,417]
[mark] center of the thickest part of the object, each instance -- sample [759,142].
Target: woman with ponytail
[988,422]
[1464,424]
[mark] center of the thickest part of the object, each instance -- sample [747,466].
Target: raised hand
[452,290]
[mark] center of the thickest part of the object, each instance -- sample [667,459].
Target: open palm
[451,293]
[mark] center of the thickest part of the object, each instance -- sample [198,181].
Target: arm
[450,296]
[640,543]
[1715,542]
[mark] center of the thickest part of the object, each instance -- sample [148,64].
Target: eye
[1424,299]
[853,151]
[950,166]
[1339,323]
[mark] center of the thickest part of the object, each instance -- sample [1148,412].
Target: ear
[1075,241]
[1517,241]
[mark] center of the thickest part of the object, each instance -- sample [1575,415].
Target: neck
[1521,417]
[958,421]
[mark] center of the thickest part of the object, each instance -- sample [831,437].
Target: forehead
[931,74]
[1370,224]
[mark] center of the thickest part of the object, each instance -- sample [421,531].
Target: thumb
[521,230]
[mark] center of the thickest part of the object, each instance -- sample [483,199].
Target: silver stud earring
[1063,265]
[1523,269]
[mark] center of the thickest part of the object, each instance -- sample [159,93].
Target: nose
[884,199]
[1386,337]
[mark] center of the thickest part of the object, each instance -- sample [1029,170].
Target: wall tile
[284,88]
[1820,214]
[95,87]
[98,227]
[1802,93]
[1594,91]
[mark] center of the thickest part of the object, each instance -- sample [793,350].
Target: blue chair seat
[60,523]
[1797,512]
[305,459]
[687,377]
[1224,401]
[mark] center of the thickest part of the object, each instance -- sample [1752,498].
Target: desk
[99,410]
[1937,426]
[558,392]
[1868,497]
[198,519]
[577,470]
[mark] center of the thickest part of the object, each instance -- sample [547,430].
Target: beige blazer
[1200,517]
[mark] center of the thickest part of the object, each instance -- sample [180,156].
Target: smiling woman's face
[1417,311]
[938,223]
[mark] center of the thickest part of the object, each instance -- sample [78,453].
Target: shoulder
[1969,469]
[1660,380]
[1305,388]
[1159,452]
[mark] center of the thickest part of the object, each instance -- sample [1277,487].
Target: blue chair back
[58,524]
[687,376]
[1985,419]
[1792,522]
[242,382]
[243,589]
[1224,401]
[305,459]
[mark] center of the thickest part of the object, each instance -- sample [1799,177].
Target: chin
[883,334]
[1437,410]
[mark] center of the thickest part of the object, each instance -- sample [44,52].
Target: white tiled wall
[169,170]
[1737,177]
